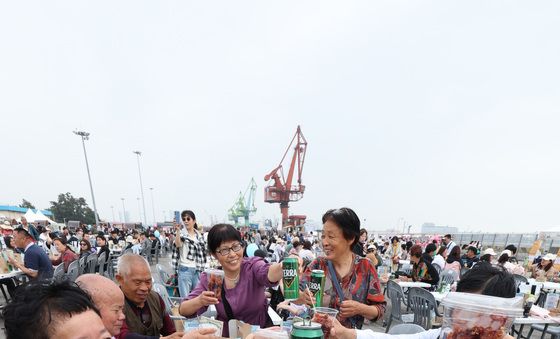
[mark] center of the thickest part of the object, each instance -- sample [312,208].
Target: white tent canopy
[30,216]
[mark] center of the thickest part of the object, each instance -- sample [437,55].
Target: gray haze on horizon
[433,111]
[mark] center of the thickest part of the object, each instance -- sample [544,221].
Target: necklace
[233,280]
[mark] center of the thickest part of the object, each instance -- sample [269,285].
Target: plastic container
[215,282]
[468,315]
[325,316]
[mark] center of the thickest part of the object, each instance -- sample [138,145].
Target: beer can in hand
[290,278]
[317,286]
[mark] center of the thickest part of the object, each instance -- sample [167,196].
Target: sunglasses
[83,244]
[187,219]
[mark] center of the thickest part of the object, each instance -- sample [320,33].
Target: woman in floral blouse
[422,270]
[362,295]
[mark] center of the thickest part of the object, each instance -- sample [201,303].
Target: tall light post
[113,212]
[139,209]
[138,153]
[153,208]
[85,136]
[123,211]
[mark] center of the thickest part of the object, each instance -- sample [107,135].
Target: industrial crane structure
[282,189]
[244,206]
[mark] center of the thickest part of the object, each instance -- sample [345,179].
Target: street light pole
[139,209]
[123,211]
[153,208]
[138,153]
[113,212]
[85,136]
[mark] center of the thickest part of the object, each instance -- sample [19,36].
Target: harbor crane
[282,189]
[244,206]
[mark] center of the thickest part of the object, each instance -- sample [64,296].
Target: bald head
[108,298]
[98,287]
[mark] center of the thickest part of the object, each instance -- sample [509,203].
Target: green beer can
[290,278]
[306,330]
[317,286]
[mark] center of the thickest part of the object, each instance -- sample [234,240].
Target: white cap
[508,252]
[550,257]
[489,251]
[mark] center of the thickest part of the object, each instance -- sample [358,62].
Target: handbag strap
[227,307]
[338,289]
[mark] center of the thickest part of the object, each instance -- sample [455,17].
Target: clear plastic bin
[468,315]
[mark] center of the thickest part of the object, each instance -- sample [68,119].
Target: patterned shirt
[361,285]
[425,272]
[196,251]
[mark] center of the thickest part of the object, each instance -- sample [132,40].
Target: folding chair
[423,305]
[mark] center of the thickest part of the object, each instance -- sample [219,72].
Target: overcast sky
[415,111]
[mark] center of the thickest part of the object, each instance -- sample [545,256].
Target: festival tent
[41,217]
[30,216]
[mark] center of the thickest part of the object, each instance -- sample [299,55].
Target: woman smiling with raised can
[346,273]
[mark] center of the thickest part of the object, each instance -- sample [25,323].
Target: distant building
[15,212]
[431,228]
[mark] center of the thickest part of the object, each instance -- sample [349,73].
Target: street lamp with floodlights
[85,136]
[123,211]
[138,153]
[153,208]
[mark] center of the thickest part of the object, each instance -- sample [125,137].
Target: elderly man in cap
[36,264]
[30,229]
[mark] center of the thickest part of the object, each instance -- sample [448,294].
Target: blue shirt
[36,259]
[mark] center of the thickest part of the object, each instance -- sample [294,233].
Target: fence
[498,241]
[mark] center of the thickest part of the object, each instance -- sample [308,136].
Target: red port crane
[280,190]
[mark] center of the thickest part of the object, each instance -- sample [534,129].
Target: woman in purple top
[244,283]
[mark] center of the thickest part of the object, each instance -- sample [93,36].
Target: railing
[498,241]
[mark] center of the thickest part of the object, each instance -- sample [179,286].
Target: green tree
[71,208]
[26,204]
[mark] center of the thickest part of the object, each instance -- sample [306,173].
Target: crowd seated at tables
[129,308]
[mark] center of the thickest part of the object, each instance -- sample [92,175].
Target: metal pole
[85,136]
[123,211]
[113,212]
[153,208]
[138,153]
[139,209]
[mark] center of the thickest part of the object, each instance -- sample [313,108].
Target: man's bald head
[108,298]
[98,287]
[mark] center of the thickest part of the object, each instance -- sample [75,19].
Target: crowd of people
[355,266]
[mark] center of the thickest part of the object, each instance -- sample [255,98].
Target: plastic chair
[448,277]
[396,295]
[170,302]
[81,265]
[554,331]
[406,329]
[73,270]
[101,265]
[158,249]
[423,304]
[91,263]
[164,278]
[519,279]
[58,274]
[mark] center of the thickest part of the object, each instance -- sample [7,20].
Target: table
[409,284]
[530,321]
[439,296]
[12,274]
[550,286]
